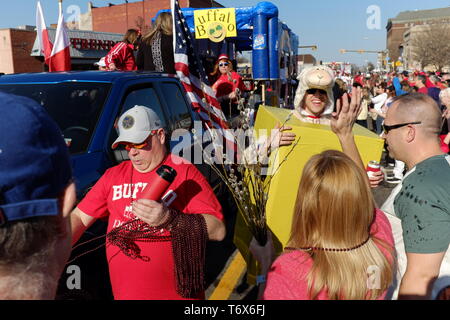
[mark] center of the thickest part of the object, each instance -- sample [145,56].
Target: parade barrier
[282,193]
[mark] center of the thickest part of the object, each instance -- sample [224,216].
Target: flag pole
[60,5]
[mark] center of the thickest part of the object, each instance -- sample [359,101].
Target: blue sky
[329,24]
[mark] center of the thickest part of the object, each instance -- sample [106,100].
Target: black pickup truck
[86,105]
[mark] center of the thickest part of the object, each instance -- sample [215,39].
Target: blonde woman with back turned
[340,247]
[156,50]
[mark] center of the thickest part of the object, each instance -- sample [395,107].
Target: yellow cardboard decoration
[215,24]
[314,138]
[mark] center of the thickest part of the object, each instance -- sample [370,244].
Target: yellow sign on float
[314,139]
[215,24]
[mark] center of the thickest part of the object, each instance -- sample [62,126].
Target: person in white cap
[158,264]
[101,64]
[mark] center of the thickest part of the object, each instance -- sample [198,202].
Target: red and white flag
[45,45]
[60,57]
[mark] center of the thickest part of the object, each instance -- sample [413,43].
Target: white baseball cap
[136,124]
[101,62]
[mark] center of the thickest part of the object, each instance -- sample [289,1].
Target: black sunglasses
[314,91]
[223,64]
[387,128]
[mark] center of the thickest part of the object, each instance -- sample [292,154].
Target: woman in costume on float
[227,85]
[314,99]
[314,102]
[340,247]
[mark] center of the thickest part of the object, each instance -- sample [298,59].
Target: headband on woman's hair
[223,56]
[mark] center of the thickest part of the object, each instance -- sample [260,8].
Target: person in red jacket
[227,84]
[121,56]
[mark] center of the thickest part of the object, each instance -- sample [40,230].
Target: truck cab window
[146,97]
[180,116]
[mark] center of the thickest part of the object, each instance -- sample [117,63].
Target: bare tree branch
[431,47]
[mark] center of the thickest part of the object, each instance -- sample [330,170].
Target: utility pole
[126,12]
[313,47]
[381,54]
[360,51]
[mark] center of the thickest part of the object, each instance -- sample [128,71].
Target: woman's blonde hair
[130,36]
[335,209]
[163,23]
[342,85]
[365,93]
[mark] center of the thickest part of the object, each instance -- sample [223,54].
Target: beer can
[373,167]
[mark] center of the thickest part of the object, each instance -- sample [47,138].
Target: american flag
[193,76]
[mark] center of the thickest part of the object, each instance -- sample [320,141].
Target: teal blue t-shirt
[423,205]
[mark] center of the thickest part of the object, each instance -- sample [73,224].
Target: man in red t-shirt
[153,272]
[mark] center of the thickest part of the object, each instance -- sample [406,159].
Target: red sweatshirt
[122,56]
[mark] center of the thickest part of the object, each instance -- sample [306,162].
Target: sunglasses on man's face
[387,128]
[223,64]
[314,91]
[129,146]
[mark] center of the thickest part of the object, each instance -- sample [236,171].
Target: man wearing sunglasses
[419,207]
[117,196]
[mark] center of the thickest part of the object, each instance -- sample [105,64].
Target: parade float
[266,200]
[254,32]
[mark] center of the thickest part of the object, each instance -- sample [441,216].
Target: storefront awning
[85,45]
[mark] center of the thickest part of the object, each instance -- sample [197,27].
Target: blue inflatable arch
[258,30]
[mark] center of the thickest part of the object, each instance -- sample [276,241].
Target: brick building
[15,48]
[118,18]
[398,26]
[305,60]
[91,37]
